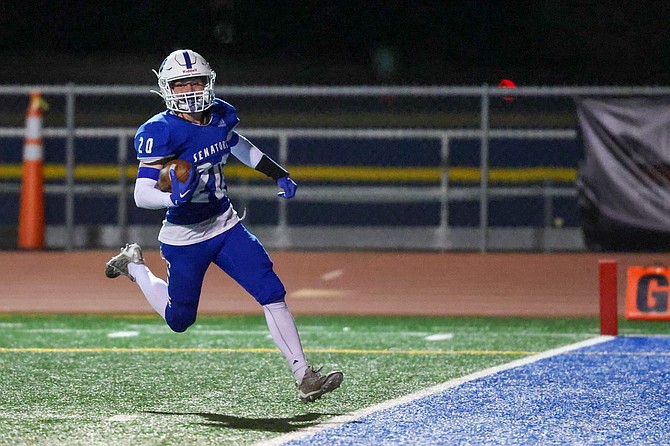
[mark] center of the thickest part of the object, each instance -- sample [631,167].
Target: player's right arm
[152,151]
[146,194]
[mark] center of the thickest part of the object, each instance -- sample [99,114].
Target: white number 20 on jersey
[142,148]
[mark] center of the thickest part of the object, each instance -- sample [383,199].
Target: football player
[201,227]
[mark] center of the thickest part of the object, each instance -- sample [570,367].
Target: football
[181,169]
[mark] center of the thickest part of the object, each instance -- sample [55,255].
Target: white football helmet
[183,64]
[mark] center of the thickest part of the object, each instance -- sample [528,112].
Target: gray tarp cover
[626,173]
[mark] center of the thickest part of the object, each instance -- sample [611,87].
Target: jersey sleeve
[152,141]
[244,150]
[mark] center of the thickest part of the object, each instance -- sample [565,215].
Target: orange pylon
[31,207]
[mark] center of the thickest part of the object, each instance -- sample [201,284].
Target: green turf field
[129,380]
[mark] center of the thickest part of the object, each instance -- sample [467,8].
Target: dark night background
[540,42]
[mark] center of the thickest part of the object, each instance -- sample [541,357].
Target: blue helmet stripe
[187,59]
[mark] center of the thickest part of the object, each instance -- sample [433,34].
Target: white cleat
[118,265]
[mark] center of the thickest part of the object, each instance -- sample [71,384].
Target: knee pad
[180,318]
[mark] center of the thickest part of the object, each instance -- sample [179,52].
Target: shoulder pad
[226,112]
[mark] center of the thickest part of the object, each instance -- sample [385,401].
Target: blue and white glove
[289,187]
[182,192]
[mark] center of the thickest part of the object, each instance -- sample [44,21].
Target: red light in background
[506,83]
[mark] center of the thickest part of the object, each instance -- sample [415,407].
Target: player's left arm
[253,157]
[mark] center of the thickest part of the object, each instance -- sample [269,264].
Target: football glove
[289,187]
[182,192]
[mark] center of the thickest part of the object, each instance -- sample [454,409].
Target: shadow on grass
[281,425]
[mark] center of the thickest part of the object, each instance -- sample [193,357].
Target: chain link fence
[421,168]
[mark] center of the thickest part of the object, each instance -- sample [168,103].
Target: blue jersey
[207,147]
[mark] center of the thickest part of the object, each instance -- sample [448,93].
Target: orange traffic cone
[31,210]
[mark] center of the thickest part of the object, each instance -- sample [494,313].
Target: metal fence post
[444,194]
[69,165]
[122,211]
[484,171]
[283,240]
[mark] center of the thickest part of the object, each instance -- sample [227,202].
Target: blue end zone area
[613,392]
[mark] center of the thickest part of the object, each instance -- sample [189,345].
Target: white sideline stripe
[440,337]
[123,334]
[122,418]
[351,417]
